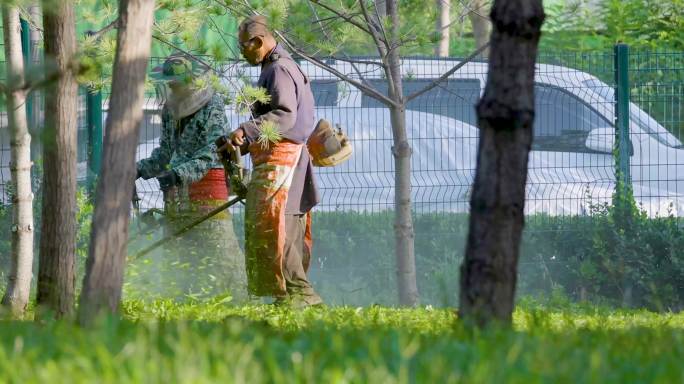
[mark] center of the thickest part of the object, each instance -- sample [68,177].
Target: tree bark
[35,38]
[480,23]
[505,117]
[381,8]
[107,254]
[19,282]
[403,221]
[443,26]
[56,272]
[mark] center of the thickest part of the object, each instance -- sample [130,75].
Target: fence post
[26,52]
[623,142]
[94,122]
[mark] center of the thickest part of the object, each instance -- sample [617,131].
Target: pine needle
[269,132]
[249,96]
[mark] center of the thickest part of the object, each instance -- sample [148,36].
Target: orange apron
[271,177]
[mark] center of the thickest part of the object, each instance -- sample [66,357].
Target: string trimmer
[235,181]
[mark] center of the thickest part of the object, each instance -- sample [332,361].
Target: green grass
[164,342]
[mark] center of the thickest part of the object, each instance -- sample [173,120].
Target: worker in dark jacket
[282,188]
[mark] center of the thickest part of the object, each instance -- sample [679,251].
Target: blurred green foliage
[212,342]
[597,257]
[612,257]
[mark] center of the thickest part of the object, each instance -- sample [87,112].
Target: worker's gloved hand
[135,199]
[222,147]
[237,137]
[168,179]
[228,143]
[137,174]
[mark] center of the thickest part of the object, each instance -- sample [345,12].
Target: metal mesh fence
[657,164]
[572,165]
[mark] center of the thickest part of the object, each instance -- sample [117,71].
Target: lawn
[209,342]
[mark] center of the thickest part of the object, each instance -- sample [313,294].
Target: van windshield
[636,114]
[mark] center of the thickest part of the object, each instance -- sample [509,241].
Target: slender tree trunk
[403,221]
[107,255]
[505,117]
[381,8]
[35,38]
[58,228]
[19,283]
[443,22]
[480,23]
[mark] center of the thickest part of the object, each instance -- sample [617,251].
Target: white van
[571,164]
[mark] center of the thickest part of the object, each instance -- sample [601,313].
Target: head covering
[180,68]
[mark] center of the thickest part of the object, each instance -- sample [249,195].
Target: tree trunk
[19,282]
[505,117]
[480,23]
[381,8]
[35,38]
[403,222]
[443,26]
[58,229]
[107,254]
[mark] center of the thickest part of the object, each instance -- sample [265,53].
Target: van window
[642,117]
[562,121]
[324,92]
[455,98]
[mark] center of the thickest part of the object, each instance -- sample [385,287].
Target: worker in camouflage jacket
[206,260]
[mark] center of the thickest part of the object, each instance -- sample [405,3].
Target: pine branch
[382,48]
[327,36]
[97,35]
[343,16]
[368,90]
[446,75]
[179,49]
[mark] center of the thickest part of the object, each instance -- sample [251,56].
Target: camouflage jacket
[187,146]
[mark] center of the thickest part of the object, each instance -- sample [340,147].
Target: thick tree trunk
[19,283]
[443,26]
[505,117]
[480,23]
[107,254]
[58,229]
[403,221]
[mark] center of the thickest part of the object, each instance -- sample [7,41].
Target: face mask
[186,101]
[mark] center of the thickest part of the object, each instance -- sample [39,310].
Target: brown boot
[304,301]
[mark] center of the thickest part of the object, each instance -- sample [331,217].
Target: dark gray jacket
[292,109]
